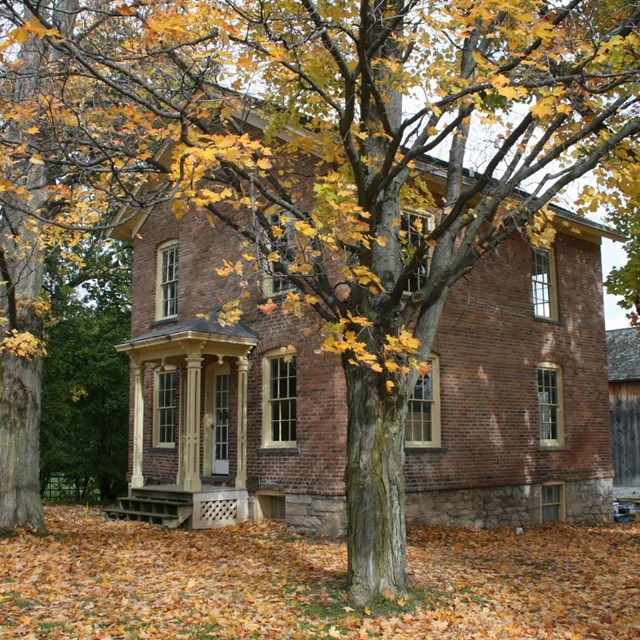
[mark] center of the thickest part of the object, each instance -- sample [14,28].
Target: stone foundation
[514,506]
[487,508]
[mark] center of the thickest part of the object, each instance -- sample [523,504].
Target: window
[550,409]
[280,400]
[284,231]
[167,279]
[166,408]
[414,229]
[271,505]
[422,428]
[552,502]
[543,286]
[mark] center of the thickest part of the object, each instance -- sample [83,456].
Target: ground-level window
[550,404]
[280,399]
[167,281]
[167,385]
[552,502]
[422,427]
[543,284]
[271,505]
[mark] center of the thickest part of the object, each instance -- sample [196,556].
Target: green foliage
[625,281]
[85,382]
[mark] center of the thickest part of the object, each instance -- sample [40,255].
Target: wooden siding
[624,402]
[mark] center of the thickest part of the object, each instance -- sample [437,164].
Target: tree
[521,98]
[85,385]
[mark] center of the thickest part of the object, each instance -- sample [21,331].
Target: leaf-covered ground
[92,578]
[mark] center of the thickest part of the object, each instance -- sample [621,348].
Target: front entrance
[220,412]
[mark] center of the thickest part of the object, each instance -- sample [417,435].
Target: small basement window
[552,502]
[271,506]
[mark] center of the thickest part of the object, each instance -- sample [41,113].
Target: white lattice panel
[218,511]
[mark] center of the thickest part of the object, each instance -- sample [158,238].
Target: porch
[200,354]
[171,506]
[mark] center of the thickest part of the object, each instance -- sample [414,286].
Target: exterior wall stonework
[483,508]
[489,345]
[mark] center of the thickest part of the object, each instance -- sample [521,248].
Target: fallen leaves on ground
[101,579]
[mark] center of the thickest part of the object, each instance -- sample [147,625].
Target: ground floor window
[552,502]
[422,427]
[167,385]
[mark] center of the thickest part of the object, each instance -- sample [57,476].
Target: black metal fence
[59,487]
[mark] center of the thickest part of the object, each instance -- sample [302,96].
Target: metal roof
[623,354]
[207,326]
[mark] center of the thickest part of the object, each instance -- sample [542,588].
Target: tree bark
[20,437]
[375,488]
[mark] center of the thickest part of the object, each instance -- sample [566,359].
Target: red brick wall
[489,345]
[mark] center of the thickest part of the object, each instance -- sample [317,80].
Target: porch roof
[204,331]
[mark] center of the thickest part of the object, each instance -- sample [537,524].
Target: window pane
[548,404]
[282,390]
[167,407]
[419,422]
[541,283]
[414,228]
[169,281]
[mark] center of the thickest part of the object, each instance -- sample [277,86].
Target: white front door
[221,424]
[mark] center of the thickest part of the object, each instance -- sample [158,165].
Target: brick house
[510,427]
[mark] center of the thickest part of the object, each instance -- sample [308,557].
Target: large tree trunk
[20,437]
[375,488]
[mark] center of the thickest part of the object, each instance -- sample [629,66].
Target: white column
[241,470]
[137,480]
[192,480]
[182,421]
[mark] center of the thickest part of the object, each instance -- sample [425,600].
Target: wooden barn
[623,354]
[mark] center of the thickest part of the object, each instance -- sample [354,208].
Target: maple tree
[311,129]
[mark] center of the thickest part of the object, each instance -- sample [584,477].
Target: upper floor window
[167,281]
[543,284]
[414,228]
[281,248]
[167,391]
[280,399]
[422,427]
[550,404]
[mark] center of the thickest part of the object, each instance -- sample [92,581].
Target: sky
[613,256]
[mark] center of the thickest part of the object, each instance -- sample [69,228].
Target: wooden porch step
[170,522]
[168,511]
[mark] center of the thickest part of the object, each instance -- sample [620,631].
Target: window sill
[158,448]
[553,447]
[161,321]
[278,451]
[425,449]
[555,321]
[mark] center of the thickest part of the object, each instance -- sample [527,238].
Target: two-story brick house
[510,427]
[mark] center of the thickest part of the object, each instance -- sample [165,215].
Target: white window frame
[167,281]
[560,504]
[544,290]
[275,283]
[433,404]
[159,439]
[412,239]
[268,402]
[548,406]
